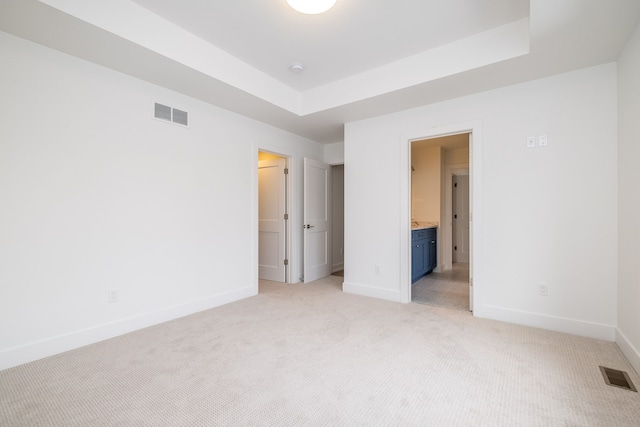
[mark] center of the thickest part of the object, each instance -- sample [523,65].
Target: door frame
[447,247]
[288,208]
[474,129]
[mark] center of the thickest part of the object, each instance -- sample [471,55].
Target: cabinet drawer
[425,233]
[419,234]
[430,234]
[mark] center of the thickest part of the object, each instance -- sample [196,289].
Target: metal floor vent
[616,378]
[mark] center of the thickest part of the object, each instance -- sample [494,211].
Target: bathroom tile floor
[449,289]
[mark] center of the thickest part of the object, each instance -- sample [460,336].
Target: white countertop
[419,225]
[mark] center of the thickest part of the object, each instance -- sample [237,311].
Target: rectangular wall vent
[616,378]
[170,114]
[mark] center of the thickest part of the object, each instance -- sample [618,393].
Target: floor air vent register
[616,378]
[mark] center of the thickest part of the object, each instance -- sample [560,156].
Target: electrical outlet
[376,269]
[112,296]
[543,141]
[531,142]
[543,289]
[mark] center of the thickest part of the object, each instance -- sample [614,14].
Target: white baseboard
[544,321]
[370,291]
[630,352]
[37,350]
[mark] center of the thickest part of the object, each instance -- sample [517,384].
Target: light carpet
[310,355]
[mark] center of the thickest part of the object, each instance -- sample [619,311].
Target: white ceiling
[362,58]
[351,38]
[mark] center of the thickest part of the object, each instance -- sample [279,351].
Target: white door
[460,218]
[271,219]
[317,216]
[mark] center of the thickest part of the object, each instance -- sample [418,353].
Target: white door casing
[474,129]
[271,219]
[317,220]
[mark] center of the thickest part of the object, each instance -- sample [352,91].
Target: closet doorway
[273,217]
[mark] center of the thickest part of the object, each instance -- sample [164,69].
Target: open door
[272,219]
[317,220]
[460,199]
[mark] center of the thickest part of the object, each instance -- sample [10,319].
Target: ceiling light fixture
[311,7]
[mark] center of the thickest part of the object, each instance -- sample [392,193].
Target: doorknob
[307,226]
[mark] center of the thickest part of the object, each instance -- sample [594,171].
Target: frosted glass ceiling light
[311,7]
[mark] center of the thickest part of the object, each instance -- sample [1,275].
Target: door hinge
[286,217]
[455,185]
[455,248]
[286,262]
[286,171]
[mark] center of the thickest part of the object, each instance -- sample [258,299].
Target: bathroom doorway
[440,200]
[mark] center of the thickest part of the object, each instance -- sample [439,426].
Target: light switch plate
[543,141]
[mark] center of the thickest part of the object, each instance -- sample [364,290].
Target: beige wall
[426,183]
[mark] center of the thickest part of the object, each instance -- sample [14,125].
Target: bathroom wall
[426,182]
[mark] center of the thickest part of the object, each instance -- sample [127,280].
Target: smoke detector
[296,67]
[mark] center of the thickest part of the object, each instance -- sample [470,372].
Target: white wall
[337,217]
[548,213]
[628,333]
[334,153]
[98,195]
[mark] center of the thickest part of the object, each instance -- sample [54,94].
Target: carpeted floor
[311,355]
[449,289]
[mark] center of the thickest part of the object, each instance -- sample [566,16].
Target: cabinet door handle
[433,241]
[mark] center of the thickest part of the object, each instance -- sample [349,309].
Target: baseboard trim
[15,356]
[370,291]
[630,352]
[545,321]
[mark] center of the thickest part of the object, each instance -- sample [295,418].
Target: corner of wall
[630,352]
[334,153]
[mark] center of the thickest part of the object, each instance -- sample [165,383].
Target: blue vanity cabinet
[423,252]
[419,254]
[433,251]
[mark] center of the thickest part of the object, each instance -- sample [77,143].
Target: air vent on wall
[170,114]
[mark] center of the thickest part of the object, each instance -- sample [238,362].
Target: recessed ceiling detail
[157,34]
[363,59]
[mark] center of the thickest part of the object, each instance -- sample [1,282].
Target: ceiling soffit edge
[167,39]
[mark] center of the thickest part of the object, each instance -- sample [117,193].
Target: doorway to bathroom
[440,208]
